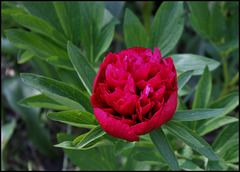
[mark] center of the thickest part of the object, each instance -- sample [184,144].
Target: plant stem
[147,7]
[65,158]
[233,166]
[119,37]
[235,79]
[2,165]
[225,73]
[29,166]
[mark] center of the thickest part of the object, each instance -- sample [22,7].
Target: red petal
[162,116]
[115,127]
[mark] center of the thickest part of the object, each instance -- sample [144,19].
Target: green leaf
[14,90]
[92,14]
[228,46]
[103,40]
[199,17]
[93,144]
[122,145]
[40,26]
[6,132]
[42,101]
[82,66]
[59,91]
[34,43]
[115,7]
[92,135]
[89,159]
[204,89]
[167,27]
[188,165]
[232,23]
[160,141]
[99,142]
[217,25]
[186,90]
[42,67]
[75,118]
[60,62]
[228,102]
[190,138]
[196,114]
[144,167]
[108,17]
[183,78]
[134,32]
[232,155]
[12,10]
[71,77]
[225,135]
[181,105]
[219,165]
[148,145]
[186,152]
[24,57]
[185,62]
[214,124]
[148,157]
[69,16]
[65,145]
[45,11]
[231,143]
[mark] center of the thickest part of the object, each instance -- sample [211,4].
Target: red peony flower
[134,92]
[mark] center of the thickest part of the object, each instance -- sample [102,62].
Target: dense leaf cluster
[67,41]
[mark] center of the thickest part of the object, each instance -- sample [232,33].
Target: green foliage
[148,157]
[215,123]
[6,133]
[65,41]
[196,114]
[59,91]
[86,74]
[24,56]
[68,14]
[163,34]
[95,133]
[42,101]
[40,26]
[167,27]
[34,43]
[75,118]
[14,90]
[185,62]
[84,159]
[164,148]
[228,102]
[184,78]
[199,17]
[191,139]
[189,165]
[203,92]
[121,145]
[212,22]
[133,28]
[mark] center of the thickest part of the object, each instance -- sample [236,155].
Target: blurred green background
[27,134]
